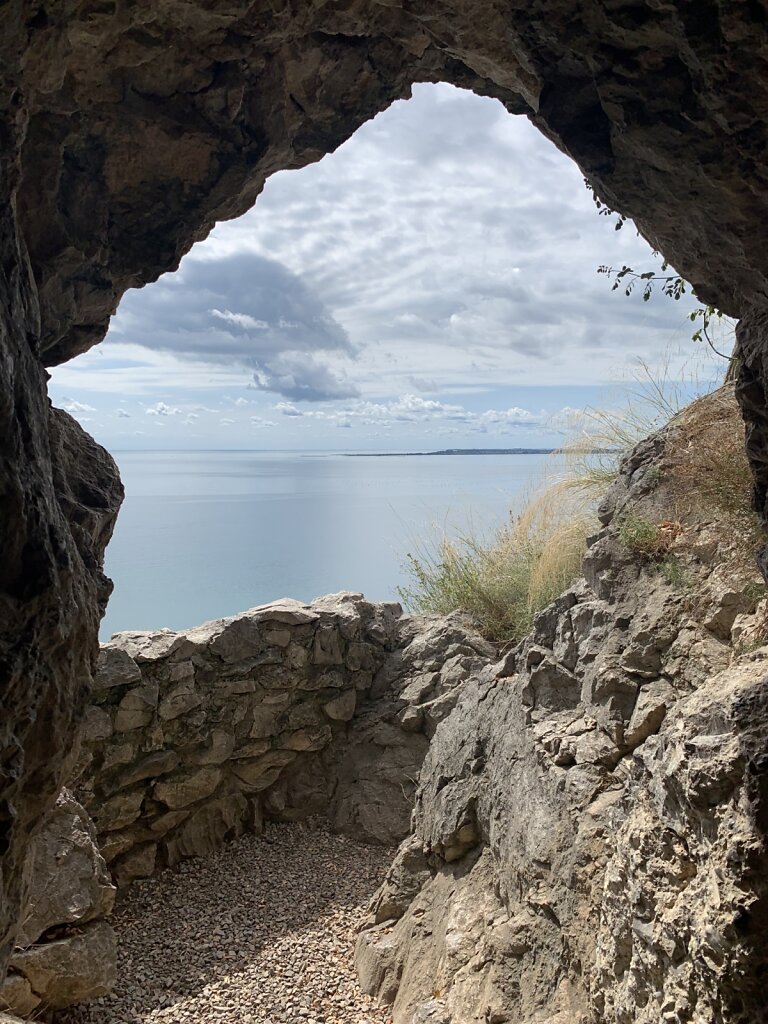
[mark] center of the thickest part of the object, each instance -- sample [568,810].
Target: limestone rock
[138,862]
[341,708]
[68,881]
[604,788]
[662,106]
[71,970]
[16,995]
[115,668]
[185,789]
[137,708]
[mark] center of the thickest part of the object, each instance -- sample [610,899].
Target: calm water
[207,534]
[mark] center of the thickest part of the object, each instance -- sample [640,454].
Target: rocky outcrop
[590,830]
[129,129]
[66,950]
[286,710]
[60,496]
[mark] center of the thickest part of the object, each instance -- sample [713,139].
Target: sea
[207,534]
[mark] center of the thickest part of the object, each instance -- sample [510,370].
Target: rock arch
[129,129]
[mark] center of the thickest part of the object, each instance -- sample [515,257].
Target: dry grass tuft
[708,466]
[704,477]
[503,581]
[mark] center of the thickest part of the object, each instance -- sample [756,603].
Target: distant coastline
[453,451]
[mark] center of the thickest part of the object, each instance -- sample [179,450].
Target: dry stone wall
[286,710]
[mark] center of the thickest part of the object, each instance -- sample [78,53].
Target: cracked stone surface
[589,836]
[128,129]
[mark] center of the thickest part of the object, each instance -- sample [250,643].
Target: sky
[431,284]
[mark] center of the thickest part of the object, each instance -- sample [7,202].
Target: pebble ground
[262,933]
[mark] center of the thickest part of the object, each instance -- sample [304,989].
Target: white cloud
[427,276]
[412,409]
[240,319]
[73,407]
[288,409]
[161,409]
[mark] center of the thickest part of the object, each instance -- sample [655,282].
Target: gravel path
[263,933]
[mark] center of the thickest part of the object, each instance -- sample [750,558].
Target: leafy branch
[671,285]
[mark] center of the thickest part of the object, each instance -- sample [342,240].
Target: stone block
[72,970]
[167,822]
[187,789]
[361,656]
[115,667]
[68,880]
[278,637]
[116,754]
[97,725]
[137,708]
[327,646]
[257,775]
[181,670]
[139,862]
[219,749]
[208,827]
[183,697]
[119,810]
[17,996]
[306,739]
[233,687]
[253,748]
[150,767]
[286,611]
[341,708]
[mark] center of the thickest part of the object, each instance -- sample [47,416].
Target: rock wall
[66,951]
[590,829]
[129,129]
[286,710]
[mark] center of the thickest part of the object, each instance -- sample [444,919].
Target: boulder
[68,881]
[66,951]
[75,969]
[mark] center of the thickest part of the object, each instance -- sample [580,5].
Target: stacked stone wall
[285,710]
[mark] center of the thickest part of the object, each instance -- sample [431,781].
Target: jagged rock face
[128,129]
[60,495]
[590,829]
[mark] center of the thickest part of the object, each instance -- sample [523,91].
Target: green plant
[675,573]
[644,537]
[670,284]
[755,592]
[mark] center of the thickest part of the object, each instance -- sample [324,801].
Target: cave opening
[129,131]
[403,294]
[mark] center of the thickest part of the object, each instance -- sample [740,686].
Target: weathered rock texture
[287,710]
[66,951]
[590,828]
[128,129]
